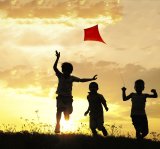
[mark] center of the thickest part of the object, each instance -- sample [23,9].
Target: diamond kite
[92,34]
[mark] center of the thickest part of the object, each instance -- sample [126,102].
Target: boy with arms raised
[138,114]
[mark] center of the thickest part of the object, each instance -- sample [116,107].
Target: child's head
[67,68]
[93,87]
[139,85]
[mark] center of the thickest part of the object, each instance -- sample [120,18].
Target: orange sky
[32,30]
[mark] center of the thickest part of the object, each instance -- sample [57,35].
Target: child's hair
[93,84]
[67,67]
[139,83]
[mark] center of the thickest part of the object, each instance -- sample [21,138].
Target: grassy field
[25,140]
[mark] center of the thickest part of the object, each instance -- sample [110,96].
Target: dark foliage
[25,140]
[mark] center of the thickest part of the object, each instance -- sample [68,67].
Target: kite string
[121,77]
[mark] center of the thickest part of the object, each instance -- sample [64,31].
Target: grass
[26,140]
[40,136]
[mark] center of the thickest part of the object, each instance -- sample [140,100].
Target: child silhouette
[64,90]
[138,114]
[95,109]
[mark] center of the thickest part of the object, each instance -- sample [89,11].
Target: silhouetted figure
[64,90]
[138,114]
[95,109]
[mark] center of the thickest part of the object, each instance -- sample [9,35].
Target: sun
[68,126]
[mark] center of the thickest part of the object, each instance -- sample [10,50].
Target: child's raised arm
[154,95]
[124,96]
[56,62]
[88,79]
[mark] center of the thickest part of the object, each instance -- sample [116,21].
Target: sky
[32,30]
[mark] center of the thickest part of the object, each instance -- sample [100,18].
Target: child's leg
[138,134]
[93,125]
[100,126]
[68,110]
[136,122]
[104,131]
[60,109]
[94,132]
[58,118]
[144,126]
[66,115]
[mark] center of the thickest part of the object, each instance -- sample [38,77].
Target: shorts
[140,123]
[64,104]
[96,122]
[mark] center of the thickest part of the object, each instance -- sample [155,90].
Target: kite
[92,34]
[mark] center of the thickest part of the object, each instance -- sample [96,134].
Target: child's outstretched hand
[107,108]
[95,77]
[123,89]
[153,90]
[85,114]
[57,54]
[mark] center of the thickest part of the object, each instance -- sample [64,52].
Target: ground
[25,140]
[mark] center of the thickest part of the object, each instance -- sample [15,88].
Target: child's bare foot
[57,129]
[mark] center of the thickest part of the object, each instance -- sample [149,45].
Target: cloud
[56,9]
[105,63]
[27,80]
[34,38]
[11,57]
[6,35]
[110,79]
[139,28]
[23,78]
[153,108]
[49,36]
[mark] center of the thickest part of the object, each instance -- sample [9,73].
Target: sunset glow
[68,126]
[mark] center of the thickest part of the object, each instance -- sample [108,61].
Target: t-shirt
[95,104]
[65,84]
[138,104]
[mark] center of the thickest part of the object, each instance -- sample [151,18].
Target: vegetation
[26,140]
[37,135]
